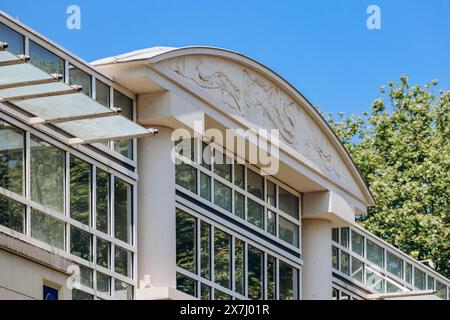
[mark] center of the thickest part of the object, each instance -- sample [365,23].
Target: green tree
[402,149]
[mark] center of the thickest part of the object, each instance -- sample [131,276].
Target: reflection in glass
[102,93]
[219,295]
[239,205]
[357,269]
[345,263]
[222,165]
[255,275]
[344,236]
[408,273]
[205,250]
[288,203]
[47,229]
[80,243]
[271,193]
[374,281]
[205,292]
[186,176]
[186,285]
[186,241]
[271,222]
[15,40]
[394,265]
[255,213]
[239,266]
[81,78]
[357,243]
[12,214]
[103,253]
[239,178]
[102,198]
[271,278]
[222,195]
[103,283]
[47,174]
[205,186]
[288,231]
[122,290]
[222,258]
[123,261]
[335,257]
[375,253]
[80,190]
[205,159]
[45,60]
[288,282]
[419,279]
[11,157]
[255,184]
[123,195]
[124,147]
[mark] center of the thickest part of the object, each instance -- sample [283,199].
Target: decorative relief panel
[254,97]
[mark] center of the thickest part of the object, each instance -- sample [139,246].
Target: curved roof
[157,54]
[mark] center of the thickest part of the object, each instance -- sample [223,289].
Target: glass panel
[123,261]
[123,200]
[206,156]
[419,279]
[81,78]
[205,186]
[11,157]
[47,229]
[391,287]
[186,284]
[205,292]
[335,294]
[19,73]
[122,290]
[271,278]
[239,266]
[271,193]
[271,222]
[394,265]
[102,93]
[374,281]
[375,253]
[239,205]
[47,174]
[345,263]
[186,241]
[103,253]
[222,258]
[185,147]
[205,250]
[408,273]
[124,147]
[255,184]
[357,270]
[103,205]
[186,176]
[103,283]
[222,195]
[288,282]
[288,231]
[43,89]
[86,276]
[255,273]
[14,39]
[288,203]
[344,237]
[239,175]
[430,283]
[255,213]
[357,243]
[81,295]
[335,257]
[12,214]
[45,60]
[441,290]
[335,235]
[80,190]
[80,243]
[219,295]
[222,165]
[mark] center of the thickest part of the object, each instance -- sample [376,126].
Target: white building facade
[189,212]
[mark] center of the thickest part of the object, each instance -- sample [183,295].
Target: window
[271,194]
[222,165]
[12,214]
[81,295]
[345,263]
[335,257]
[239,175]
[375,253]
[102,201]
[222,258]
[239,205]
[205,292]
[374,281]
[185,147]
[186,241]
[124,147]
[205,160]
[80,190]
[288,282]
[271,278]
[186,176]
[219,295]
[81,78]
[45,60]
[122,210]
[392,287]
[80,243]
[357,243]
[86,277]
[419,279]
[288,231]
[357,270]
[255,213]
[394,265]
[205,186]
[47,229]
[239,266]
[288,203]
[255,184]
[14,40]
[103,253]
[335,235]
[430,283]
[103,283]
[205,250]
[102,93]
[122,290]
[186,284]
[255,275]
[11,157]
[123,261]
[271,222]
[47,174]
[441,290]
[408,273]
[344,237]
[222,195]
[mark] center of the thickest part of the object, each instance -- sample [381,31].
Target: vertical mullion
[67,197]
[264,267]
[245,269]
[277,279]
[233,264]
[27,183]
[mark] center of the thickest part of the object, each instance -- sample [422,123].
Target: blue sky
[322,47]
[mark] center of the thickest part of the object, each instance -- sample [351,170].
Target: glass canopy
[48,100]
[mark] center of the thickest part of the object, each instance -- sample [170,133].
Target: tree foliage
[402,149]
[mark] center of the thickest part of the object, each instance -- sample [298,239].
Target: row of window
[238,189]
[52,64]
[354,248]
[210,258]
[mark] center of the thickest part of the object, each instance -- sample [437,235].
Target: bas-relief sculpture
[254,97]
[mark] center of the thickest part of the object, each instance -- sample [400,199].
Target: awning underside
[49,100]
